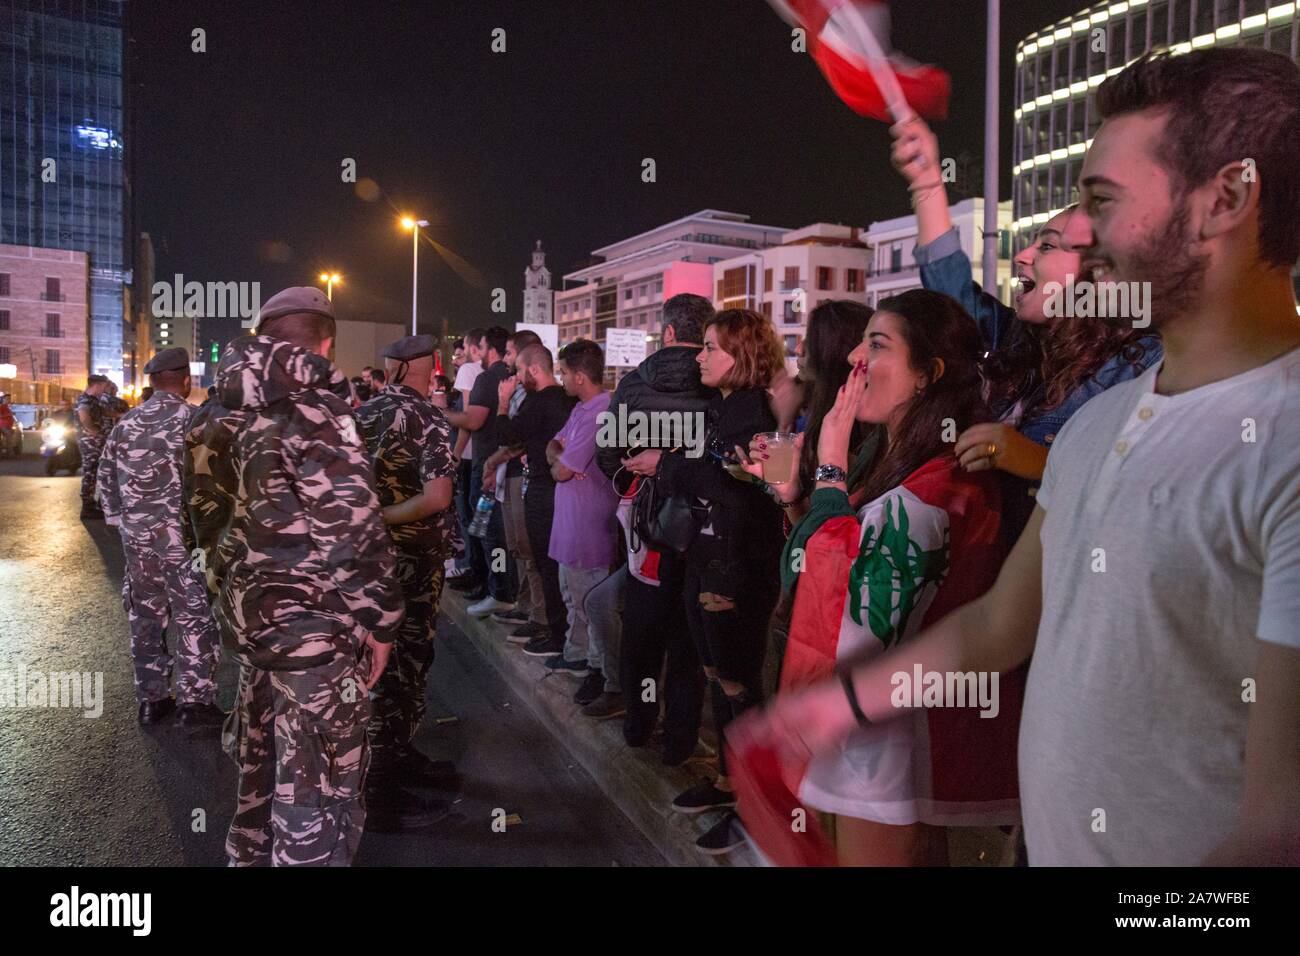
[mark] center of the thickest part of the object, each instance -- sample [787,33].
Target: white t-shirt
[466,375]
[1133,734]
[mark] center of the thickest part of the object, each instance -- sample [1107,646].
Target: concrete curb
[633,778]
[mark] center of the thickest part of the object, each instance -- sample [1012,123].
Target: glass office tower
[1058,67]
[61,98]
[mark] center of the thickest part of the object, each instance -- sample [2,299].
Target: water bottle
[478,527]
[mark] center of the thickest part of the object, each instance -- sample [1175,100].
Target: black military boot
[155,711]
[200,715]
[91,511]
[417,767]
[393,808]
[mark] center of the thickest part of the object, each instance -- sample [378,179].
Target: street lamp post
[330,279]
[414,225]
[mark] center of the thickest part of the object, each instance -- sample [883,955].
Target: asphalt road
[77,790]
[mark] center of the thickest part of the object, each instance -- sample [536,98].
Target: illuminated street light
[414,225]
[330,279]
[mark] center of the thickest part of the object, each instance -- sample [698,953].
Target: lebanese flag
[868,583]
[849,41]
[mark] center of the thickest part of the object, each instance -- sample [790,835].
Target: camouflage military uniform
[409,441]
[140,486]
[283,502]
[90,446]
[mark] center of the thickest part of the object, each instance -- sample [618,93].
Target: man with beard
[1157,585]
[542,414]
[503,474]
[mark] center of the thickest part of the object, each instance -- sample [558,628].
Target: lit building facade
[62,183]
[784,282]
[173,331]
[630,281]
[44,318]
[1058,67]
[892,245]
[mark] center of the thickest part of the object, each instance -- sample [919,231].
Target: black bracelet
[846,678]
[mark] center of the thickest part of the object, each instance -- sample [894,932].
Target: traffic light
[215,352]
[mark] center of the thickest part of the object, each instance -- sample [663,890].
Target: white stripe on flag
[868,52]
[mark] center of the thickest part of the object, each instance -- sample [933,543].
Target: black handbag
[666,522]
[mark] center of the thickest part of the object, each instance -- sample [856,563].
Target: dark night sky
[240,147]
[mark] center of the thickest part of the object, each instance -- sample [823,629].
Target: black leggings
[732,642]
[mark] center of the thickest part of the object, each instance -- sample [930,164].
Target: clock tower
[538,297]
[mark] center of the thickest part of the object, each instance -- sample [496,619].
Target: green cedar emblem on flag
[896,571]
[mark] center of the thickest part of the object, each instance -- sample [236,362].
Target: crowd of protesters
[1150,566]
[972,566]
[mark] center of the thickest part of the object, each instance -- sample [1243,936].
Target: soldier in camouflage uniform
[89,414]
[307,595]
[409,441]
[140,486]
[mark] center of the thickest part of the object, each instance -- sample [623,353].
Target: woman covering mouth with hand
[1040,370]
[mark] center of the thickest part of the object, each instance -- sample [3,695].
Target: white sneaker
[489,605]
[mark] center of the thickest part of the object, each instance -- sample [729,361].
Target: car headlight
[54,433]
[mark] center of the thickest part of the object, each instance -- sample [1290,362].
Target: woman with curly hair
[1040,370]
[732,581]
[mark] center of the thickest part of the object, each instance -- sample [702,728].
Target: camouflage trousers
[398,696]
[91,449]
[299,738]
[161,586]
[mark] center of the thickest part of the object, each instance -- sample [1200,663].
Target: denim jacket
[945,268]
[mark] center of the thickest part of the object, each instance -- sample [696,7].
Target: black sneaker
[576,668]
[723,837]
[524,634]
[704,796]
[395,809]
[513,616]
[543,646]
[591,688]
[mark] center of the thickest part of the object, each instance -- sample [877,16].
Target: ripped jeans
[732,642]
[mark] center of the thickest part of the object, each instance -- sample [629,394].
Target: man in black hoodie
[654,617]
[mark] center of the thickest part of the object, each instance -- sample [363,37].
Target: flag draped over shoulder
[870,581]
[864,72]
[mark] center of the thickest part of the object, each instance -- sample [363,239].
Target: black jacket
[667,381]
[747,528]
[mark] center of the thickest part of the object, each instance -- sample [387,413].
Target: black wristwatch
[830,473]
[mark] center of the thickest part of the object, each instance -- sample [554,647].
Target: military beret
[173,359]
[411,347]
[293,301]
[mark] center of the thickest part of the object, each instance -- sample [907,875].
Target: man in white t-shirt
[466,376]
[1157,585]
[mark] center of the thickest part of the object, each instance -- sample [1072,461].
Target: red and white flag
[849,41]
